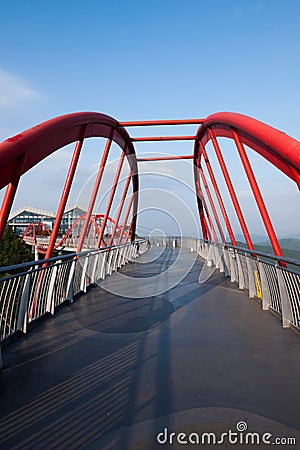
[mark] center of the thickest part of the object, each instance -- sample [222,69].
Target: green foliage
[12,249]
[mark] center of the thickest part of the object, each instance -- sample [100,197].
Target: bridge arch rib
[20,153]
[275,146]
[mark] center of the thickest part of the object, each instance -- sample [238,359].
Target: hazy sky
[151,60]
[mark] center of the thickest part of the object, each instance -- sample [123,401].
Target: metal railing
[29,291]
[262,275]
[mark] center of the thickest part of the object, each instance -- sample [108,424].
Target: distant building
[69,217]
[22,217]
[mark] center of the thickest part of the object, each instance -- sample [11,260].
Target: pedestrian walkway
[111,371]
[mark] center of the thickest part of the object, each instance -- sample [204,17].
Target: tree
[12,249]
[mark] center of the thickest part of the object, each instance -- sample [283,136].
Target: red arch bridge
[155,348]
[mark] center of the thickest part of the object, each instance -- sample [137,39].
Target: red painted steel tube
[277,147]
[231,191]
[218,195]
[203,205]
[120,209]
[212,205]
[65,194]
[165,158]
[39,142]
[126,219]
[94,194]
[257,194]
[210,221]
[111,197]
[202,218]
[44,139]
[163,138]
[129,231]
[11,192]
[208,232]
[145,123]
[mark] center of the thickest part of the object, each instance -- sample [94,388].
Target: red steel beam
[163,138]
[145,123]
[65,193]
[111,197]
[257,194]
[218,195]
[212,205]
[203,207]
[203,222]
[277,147]
[126,219]
[129,230]
[231,191]
[120,209]
[94,194]
[11,192]
[165,158]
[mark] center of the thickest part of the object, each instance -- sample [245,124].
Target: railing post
[50,305]
[120,257]
[240,271]
[103,262]
[233,275]
[266,297]
[252,290]
[96,256]
[83,276]
[109,264]
[286,312]
[70,283]
[22,314]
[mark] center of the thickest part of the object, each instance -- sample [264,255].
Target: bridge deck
[110,372]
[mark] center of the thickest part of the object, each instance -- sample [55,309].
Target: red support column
[111,197]
[257,194]
[129,231]
[202,206]
[65,194]
[10,193]
[231,191]
[218,195]
[210,221]
[213,208]
[94,194]
[120,208]
[126,219]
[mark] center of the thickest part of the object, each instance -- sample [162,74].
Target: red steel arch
[36,230]
[20,153]
[275,146]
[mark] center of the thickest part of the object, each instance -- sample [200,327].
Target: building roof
[40,212]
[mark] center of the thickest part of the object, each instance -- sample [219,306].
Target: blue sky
[148,60]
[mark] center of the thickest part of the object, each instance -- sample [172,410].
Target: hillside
[290,247]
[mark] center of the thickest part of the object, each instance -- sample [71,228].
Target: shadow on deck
[110,372]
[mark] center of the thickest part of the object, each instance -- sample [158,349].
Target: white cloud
[14,90]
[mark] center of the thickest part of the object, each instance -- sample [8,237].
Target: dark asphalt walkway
[110,372]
